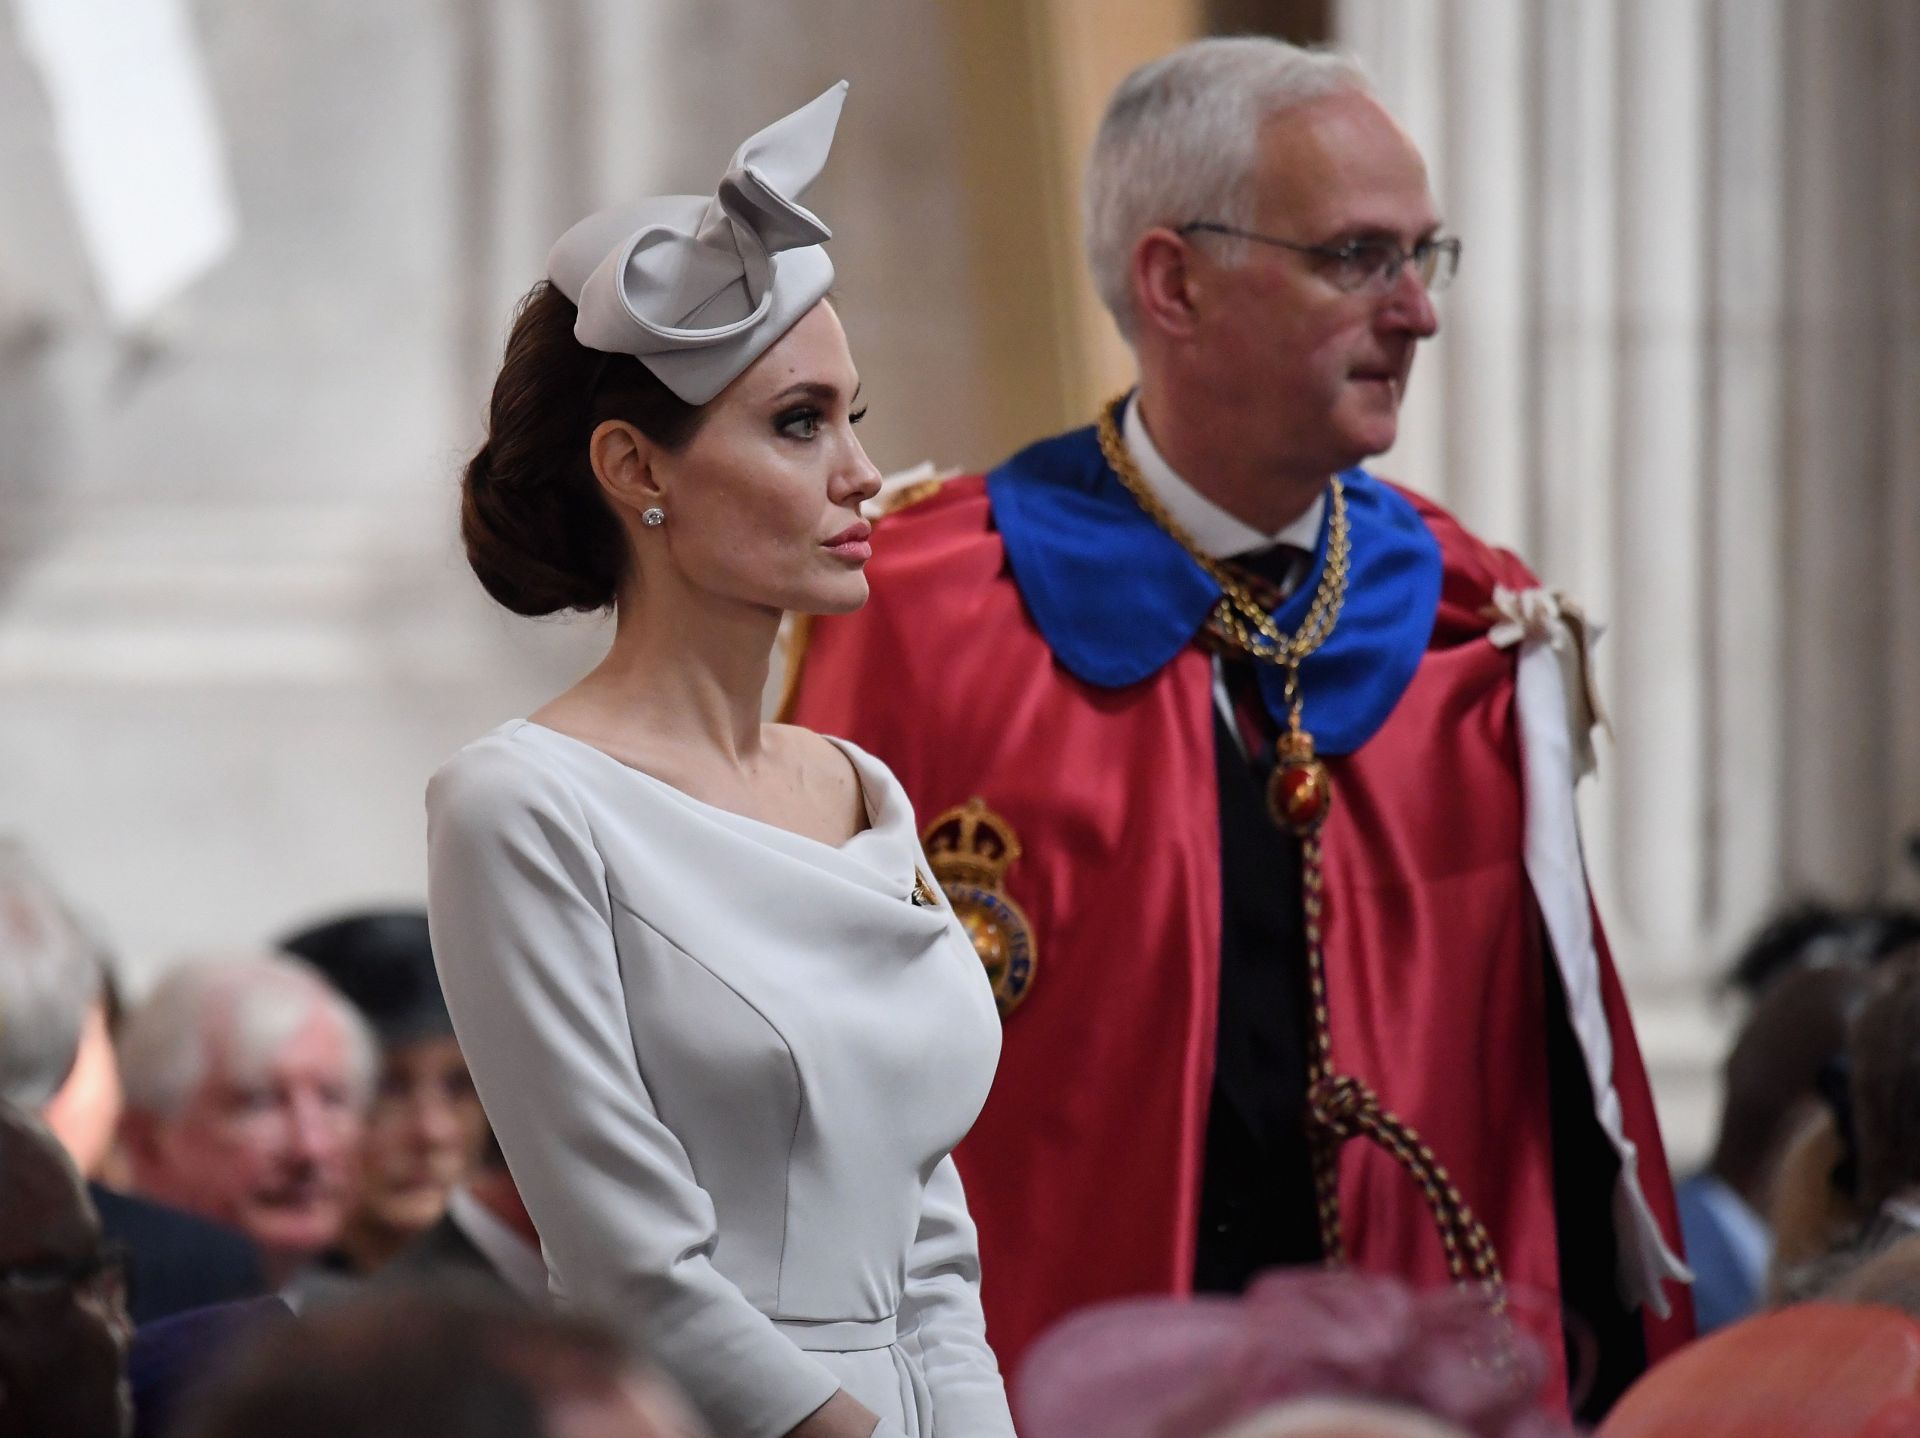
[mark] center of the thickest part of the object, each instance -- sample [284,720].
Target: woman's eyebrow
[814,389]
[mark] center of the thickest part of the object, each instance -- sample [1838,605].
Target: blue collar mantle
[1116,598]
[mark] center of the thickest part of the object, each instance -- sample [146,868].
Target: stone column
[1677,372]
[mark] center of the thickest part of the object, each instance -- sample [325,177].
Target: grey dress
[727,1064]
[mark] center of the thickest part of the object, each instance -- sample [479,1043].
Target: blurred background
[257,259]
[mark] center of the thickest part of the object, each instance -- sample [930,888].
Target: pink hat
[1184,1368]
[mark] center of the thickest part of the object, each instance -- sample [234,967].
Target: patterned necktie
[1270,575]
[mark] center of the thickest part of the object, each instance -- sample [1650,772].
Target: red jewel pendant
[1299,793]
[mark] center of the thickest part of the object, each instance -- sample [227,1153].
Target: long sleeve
[522,932]
[941,1309]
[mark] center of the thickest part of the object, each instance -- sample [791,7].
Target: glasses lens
[1438,260]
[1366,264]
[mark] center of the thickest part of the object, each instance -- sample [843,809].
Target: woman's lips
[852,543]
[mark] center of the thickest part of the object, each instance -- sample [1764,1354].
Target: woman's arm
[522,934]
[942,1318]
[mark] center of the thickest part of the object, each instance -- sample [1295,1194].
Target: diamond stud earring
[653,518]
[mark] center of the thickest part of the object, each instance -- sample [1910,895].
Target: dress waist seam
[840,1335]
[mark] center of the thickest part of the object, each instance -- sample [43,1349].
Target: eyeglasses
[103,1273]
[1364,264]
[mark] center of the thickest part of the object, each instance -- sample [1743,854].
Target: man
[247,1080]
[1273,853]
[57,1060]
[63,1317]
[425,1127]
[1791,1043]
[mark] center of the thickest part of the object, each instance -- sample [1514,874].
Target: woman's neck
[684,672]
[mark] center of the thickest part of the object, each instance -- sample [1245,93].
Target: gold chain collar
[1242,618]
[1339,1106]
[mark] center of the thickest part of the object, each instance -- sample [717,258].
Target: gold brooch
[971,849]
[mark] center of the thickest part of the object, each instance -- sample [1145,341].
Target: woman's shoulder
[502,769]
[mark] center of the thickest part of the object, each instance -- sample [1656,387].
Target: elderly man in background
[57,1060]
[247,1083]
[63,1317]
[1252,774]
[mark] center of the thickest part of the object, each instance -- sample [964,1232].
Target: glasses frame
[1442,252]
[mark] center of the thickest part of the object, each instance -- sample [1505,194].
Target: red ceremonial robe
[1084,1171]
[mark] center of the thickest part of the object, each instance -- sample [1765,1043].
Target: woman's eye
[799,423]
[857,415]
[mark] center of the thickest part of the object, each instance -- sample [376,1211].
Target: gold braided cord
[1339,1106]
[1241,618]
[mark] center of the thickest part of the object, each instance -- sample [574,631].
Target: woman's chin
[844,595]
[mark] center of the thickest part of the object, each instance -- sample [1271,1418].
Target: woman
[723,1023]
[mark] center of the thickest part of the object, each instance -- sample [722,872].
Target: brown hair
[1885,1054]
[539,534]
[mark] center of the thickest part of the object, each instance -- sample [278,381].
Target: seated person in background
[1818,935]
[1334,1354]
[57,1060]
[425,1128]
[1854,1182]
[485,1235]
[247,1081]
[1797,1027]
[408,1365]
[1883,1054]
[63,1319]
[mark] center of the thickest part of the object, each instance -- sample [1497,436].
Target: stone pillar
[1677,372]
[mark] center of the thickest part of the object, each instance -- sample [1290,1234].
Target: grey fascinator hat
[697,288]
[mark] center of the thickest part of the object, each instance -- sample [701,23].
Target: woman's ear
[622,459]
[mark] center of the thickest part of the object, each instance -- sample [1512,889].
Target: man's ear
[623,462]
[1163,283]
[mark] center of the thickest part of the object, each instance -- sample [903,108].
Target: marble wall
[1677,374]
[236,633]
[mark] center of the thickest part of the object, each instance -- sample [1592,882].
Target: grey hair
[255,1002]
[50,978]
[1180,141]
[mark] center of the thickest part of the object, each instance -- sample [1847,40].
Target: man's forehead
[1342,162]
[300,1042]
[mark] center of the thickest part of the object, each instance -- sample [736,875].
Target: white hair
[49,979]
[1339,1418]
[254,1002]
[1180,142]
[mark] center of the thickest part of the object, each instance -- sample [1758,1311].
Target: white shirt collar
[513,1258]
[1219,534]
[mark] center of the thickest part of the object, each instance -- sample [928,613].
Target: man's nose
[433,1116]
[316,1126]
[1409,306]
